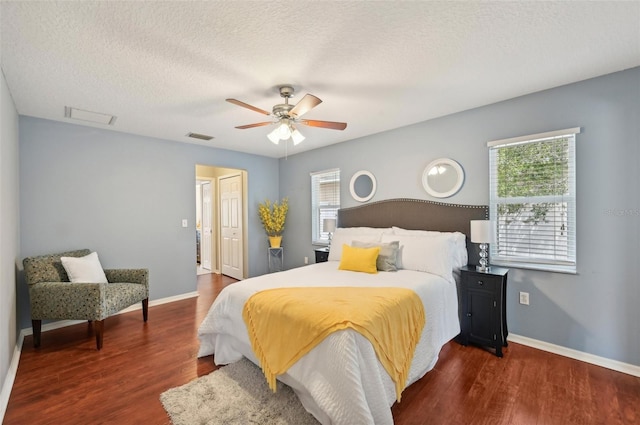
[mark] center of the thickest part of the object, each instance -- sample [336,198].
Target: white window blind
[325,202]
[532,183]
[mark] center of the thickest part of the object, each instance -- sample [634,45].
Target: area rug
[234,394]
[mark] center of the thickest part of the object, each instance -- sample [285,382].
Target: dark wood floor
[67,381]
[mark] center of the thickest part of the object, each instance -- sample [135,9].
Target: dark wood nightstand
[322,255]
[483,307]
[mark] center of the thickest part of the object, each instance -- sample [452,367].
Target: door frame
[212,249]
[214,222]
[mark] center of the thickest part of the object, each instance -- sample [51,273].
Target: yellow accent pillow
[359,259]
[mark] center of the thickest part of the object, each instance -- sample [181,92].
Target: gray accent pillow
[387,257]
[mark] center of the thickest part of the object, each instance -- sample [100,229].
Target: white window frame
[326,206]
[515,241]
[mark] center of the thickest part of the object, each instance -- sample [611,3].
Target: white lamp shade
[274,136]
[481,231]
[297,137]
[284,130]
[329,225]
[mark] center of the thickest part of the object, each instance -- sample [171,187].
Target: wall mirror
[362,186]
[442,178]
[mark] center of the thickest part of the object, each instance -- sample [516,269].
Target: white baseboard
[13,367]
[138,306]
[618,366]
[11,376]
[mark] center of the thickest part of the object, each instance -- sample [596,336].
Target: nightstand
[483,307]
[322,255]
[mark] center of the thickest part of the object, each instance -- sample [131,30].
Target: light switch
[184,222]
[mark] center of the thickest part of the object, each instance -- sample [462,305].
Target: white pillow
[459,254]
[85,269]
[430,254]
[346,235]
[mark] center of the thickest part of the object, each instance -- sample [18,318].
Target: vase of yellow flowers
[273,215]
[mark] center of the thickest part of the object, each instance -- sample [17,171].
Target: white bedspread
[341,380]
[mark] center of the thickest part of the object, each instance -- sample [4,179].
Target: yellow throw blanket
[284,324]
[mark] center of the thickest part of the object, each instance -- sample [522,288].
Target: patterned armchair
[53,297]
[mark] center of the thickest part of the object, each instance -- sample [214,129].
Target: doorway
[221,220]
[204,226]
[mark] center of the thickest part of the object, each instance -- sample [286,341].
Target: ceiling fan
[286,116]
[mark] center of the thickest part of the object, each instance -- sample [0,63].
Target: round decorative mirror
[442,178]
[362,186]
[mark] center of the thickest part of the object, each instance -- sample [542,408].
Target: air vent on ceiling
[95,117]
[199,136]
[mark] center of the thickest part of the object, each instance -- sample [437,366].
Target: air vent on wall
[199,136]
[95,117]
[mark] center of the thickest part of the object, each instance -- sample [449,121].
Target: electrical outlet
[185,222]
[524,298]
[306,260]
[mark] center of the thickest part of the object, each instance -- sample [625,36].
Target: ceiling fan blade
[307,103]
[325,124]
[258,124]
[246,105]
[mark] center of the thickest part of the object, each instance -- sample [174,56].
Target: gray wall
[595,311]
[9,233]
[124,196]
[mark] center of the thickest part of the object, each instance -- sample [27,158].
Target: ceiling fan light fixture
[274,136]
[285,115]
[284,130]
[296,136]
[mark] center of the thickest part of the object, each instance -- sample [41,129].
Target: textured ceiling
[165,68]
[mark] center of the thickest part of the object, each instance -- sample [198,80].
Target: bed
[341,380]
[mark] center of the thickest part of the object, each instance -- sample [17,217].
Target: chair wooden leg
[98,328]
[37,330]
[145,309]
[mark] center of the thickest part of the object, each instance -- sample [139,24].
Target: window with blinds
[325,202]
[532,183]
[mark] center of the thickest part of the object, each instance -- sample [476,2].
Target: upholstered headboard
[417,214]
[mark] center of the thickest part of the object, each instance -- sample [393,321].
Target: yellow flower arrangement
[272,215]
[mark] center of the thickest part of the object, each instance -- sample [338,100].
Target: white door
[207,227]
[231,226]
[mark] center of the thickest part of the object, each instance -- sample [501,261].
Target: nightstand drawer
[322,255]
[482,281]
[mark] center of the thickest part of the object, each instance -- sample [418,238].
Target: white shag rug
[234,394]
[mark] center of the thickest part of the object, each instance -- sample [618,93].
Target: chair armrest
[140,276]
[64,300]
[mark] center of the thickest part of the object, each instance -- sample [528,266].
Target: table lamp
[329,226]
[481,232]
